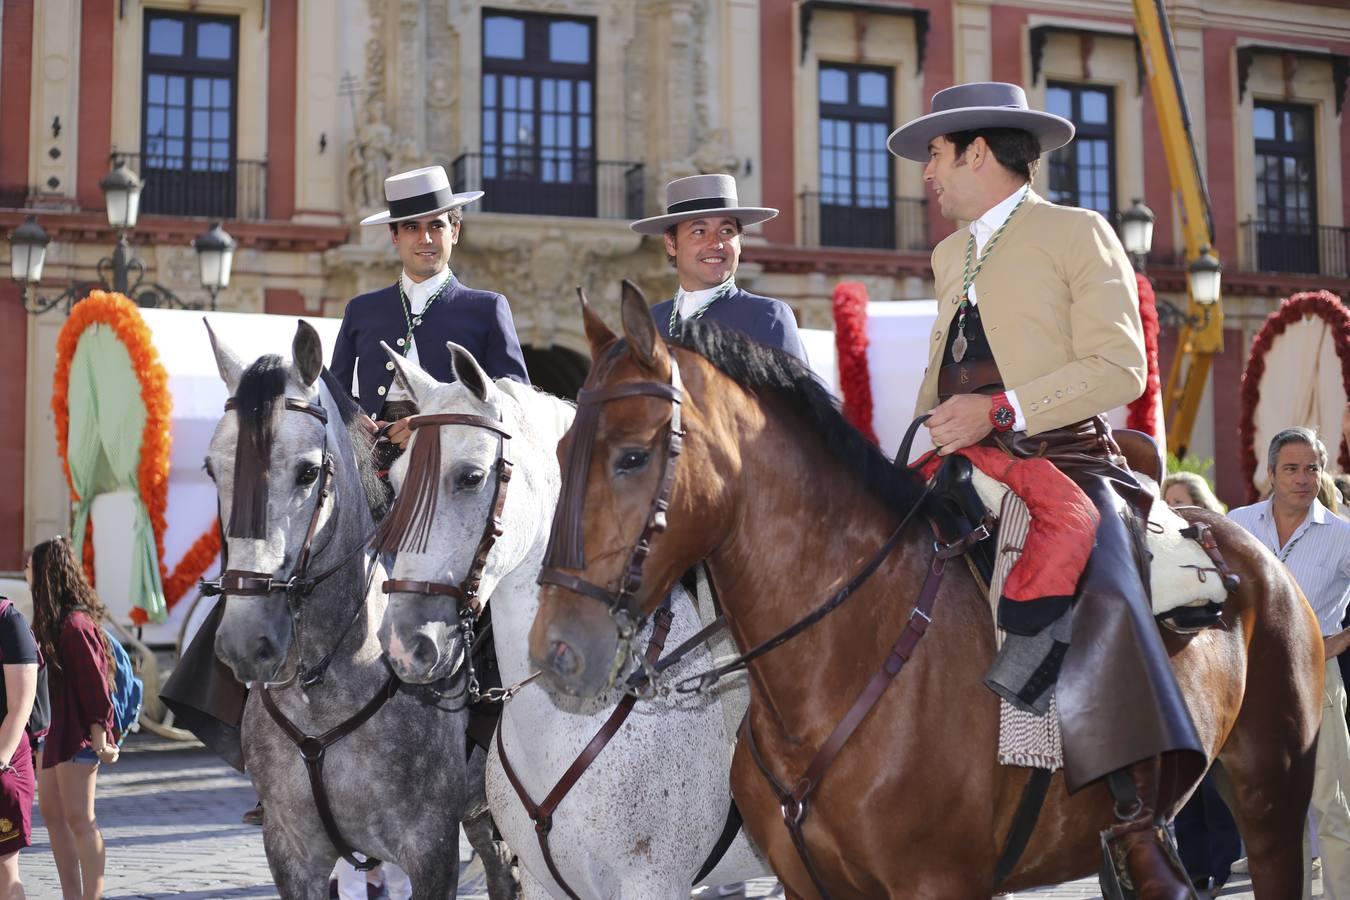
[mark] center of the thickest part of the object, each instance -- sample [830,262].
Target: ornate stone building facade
[572,115]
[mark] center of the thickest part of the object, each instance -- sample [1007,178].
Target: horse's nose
[266,651]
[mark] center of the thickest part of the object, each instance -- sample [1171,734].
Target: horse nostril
[564,660]
[267,651]
[424,650]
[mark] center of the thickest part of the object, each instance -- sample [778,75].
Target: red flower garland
[1326,306]
[850,345]
[124,318]
[1143,412]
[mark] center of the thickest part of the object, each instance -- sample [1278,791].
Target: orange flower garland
[124,318]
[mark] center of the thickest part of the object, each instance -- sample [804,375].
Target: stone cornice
[92,227]
[791,259]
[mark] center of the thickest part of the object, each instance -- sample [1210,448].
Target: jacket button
[1045,401]
[380,391]
[1035,406]
[400,342]
[1083,385]
[1060,394]
[389,365]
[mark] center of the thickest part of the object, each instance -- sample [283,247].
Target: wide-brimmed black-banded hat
[698,197]
[981,104]
[421,192]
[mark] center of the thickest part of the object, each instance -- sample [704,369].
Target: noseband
[565,549]
[423,477]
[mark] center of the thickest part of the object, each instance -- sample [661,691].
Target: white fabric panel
[198,403]
[1302,385]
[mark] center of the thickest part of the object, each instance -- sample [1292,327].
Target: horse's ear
[468,372]
[644,341]
[413,377]
[231,366]
[597,332]
[307,351]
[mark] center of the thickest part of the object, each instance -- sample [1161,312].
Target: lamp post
[1203,275]
[122,193]
[1136,232]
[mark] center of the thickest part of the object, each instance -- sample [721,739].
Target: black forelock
[760,368]
[259,387]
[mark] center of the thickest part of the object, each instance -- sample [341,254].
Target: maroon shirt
[80,694]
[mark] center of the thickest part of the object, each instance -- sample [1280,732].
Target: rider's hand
[370,425]
[399,432]
[959,422]
[108,753]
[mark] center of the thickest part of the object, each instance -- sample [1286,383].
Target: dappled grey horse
[345,758]
[645,819]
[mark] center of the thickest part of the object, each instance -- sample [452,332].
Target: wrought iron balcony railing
[207,188]
[551,183]
[878,223]
[1303,249]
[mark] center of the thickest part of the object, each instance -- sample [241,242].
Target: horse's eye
[630,461]
[308,475]
[469,479]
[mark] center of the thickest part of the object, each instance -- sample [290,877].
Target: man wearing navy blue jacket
[425,308]
[702,231]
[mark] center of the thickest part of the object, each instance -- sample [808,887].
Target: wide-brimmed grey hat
[981,104]
[421,192]
[699,196]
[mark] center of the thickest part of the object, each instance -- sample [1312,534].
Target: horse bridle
[466,592]
[565,550]
[243,583]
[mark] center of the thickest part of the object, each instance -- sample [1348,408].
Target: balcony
[551,184]
[894,223]
[233,189]
[1296,249]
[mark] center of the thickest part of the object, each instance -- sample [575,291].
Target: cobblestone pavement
[170,817]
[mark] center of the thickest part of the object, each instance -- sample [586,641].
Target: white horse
[291,463]
[645,817]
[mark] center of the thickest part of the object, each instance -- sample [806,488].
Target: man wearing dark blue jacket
[702,231]
[425,308]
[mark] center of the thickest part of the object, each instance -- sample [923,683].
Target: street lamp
[122,192]
[215,255]
[1203,275]
[1136,232]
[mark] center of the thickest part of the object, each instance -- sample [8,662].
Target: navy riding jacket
[762,319]
[479,321]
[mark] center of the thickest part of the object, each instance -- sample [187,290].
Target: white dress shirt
[1317,554]
[418,294]
[983,228]
[690,302]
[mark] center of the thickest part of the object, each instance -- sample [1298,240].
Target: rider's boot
[1139,858]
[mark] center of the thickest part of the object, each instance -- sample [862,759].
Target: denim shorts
[86,756]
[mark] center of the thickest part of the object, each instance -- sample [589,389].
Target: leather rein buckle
[622,603]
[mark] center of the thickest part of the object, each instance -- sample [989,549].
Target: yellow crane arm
[1202,337]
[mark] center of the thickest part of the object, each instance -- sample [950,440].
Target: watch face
[1004,417]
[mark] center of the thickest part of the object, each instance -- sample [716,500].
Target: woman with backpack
[18,690]
[68,624]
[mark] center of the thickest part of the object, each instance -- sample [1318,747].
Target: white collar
[419,293]
[1317,513]
[687,302]
[984,227]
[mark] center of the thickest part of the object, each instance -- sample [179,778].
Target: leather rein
[296,588]
[794,800]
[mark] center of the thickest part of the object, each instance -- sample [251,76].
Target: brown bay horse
[786,503]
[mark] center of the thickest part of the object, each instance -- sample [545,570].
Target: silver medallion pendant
[959,346]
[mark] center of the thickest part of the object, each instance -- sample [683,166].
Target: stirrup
[1192,619]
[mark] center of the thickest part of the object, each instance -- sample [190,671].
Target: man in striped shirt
[1315,544]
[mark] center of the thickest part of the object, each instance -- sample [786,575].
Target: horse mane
[363,446]
[548,413]
[760,369]
[262,384]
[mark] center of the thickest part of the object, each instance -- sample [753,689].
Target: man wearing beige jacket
[1037,336]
